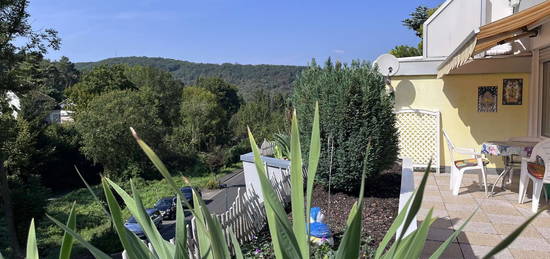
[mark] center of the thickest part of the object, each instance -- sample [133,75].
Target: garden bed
[381,204]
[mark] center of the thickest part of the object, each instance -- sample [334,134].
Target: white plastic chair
[514,162]
[532,169]
[458,167]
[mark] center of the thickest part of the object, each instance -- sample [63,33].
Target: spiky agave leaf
[284,241]
[297,190]
[68,240]
[133,246]
[32,248]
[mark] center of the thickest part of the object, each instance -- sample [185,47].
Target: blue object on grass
[320,230]
[313,213]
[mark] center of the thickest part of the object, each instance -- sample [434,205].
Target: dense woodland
[248,78]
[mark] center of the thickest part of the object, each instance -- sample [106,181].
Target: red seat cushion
[536,170]
[469,162]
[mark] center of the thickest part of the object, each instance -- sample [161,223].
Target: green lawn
[92,223]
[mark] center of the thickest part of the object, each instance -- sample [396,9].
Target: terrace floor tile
[506,229]
[440,234]
[481,239]
[498,216]
[444,222]
[453,251]
[530,244]
[476,251]
[523,254]
[480,227]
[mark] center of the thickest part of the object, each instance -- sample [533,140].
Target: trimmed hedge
[355,112]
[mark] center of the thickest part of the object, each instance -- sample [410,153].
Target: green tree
[201,121]
[35,108]
[104,127]
[356,113]
[69,75]
[416,23]
[163,90]
[402,51]
[19,149]
[225,92]
[60,75]
[228,100]
[18,41]
[22,161]
[265,114]
[99,80]
[417,18]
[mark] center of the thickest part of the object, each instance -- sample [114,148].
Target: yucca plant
[289,239]
[282,145]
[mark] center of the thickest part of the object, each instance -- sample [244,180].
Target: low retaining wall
[277,170]
[406,192]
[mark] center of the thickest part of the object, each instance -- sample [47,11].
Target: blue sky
[213,31]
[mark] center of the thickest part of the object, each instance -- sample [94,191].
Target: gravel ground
[380,206]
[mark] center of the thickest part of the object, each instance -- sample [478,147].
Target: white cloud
[338,51]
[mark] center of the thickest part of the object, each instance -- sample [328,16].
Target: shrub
[28,200]
[356,112]
[215,159]
[107,240]
[212,183]
[234,153]
[58,171]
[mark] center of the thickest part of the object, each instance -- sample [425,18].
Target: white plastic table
[507,149]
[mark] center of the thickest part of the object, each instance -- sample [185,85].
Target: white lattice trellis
[419,136]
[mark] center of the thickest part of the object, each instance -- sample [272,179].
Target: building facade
[485,68]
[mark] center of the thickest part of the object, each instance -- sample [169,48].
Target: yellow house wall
[455,96]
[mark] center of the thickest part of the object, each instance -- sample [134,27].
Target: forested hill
[246,77]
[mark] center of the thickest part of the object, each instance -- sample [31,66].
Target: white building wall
[277,171]
[449,25]
[497,9]
[456,19]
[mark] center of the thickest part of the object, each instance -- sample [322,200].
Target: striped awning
[520,25]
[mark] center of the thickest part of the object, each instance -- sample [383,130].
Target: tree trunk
[8,211]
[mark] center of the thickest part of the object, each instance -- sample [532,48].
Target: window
[545,111]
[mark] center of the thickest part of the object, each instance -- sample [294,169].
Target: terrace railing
[246,217]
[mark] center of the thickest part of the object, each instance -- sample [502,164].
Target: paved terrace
[498,216]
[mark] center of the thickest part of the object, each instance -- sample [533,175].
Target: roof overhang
[520,25]
[416,66]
